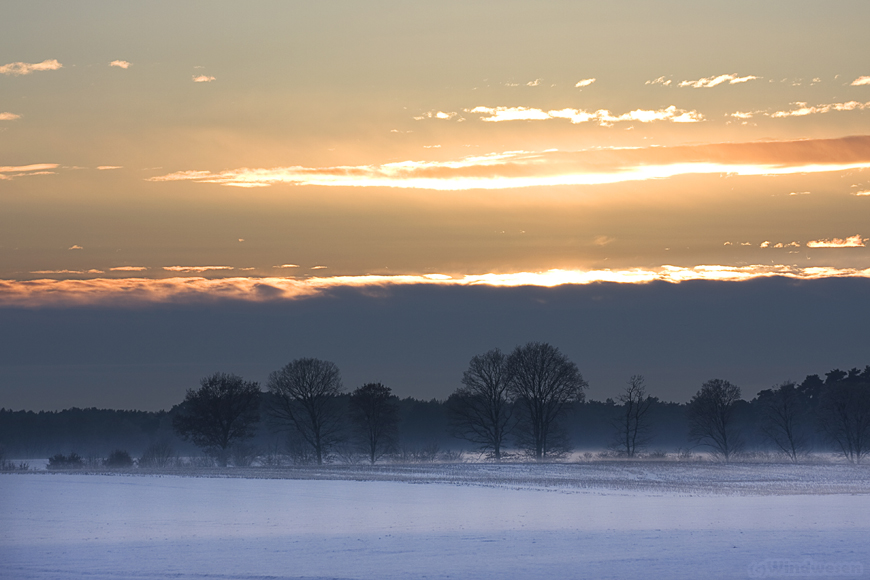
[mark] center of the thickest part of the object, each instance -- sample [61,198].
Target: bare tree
[844,412]
[304,398]
[544,382]
[711,418]
[223,411]
[632,422]
[375,416]
[480,411]
[783,415]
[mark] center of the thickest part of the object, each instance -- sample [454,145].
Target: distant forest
[830,414]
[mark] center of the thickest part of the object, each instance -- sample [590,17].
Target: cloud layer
[551,168]
[197,289]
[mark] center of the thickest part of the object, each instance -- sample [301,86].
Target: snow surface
[149,526]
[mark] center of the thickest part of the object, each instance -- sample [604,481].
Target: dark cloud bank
[418,339]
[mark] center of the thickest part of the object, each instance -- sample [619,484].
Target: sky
[349,163]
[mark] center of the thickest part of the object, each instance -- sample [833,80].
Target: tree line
[531,400]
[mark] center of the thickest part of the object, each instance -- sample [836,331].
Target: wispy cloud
[9,116]
[287,266]
[195,268]
[778,245]
[202,78]
[10,172]
[128,269]
[75,247]
[862,193]
[659,81]
[24,68]
[576,116]
[802,109]
[191,289]
[861,81]
[444,116]
[584,83]
[107,167]
[120,63]
[550,168]
[855,241]
[534,83]
[92,272]
[710,82]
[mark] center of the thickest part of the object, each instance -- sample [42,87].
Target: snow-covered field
[483,521]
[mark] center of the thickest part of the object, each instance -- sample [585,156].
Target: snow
[449,524]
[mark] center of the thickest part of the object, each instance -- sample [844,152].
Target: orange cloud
[584,83]
[861,81]
[107,291]
[107,167]
[120,64]
[855,241]
[549,168]
[202,78]
[9,116]
[24,68]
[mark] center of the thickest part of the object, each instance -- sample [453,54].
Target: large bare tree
[783,418]
[222,412]
[480,411]
[711,418]
[304,398]
[632,423]
[543,381]
[844,412]
[375,416]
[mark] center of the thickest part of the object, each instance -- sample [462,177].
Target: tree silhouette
[711,418]
[543,381]
[304,398]
[783,416]
[223,411]
[632,424]
[480,411]
[844,412]
[375,416]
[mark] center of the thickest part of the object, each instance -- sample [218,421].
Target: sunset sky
[162,158]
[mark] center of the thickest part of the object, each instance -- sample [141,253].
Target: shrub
[157,456]
[118,459]
[61,461]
